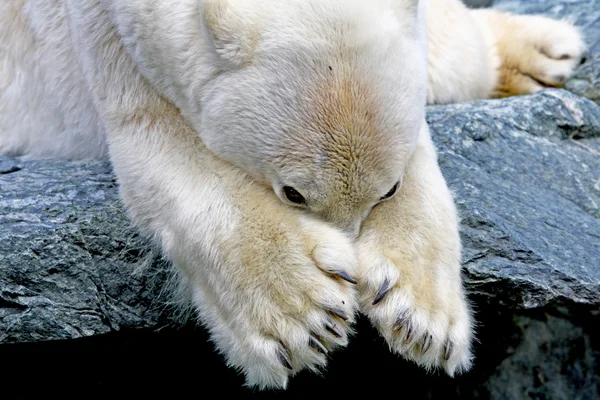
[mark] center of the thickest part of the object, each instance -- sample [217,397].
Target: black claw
[339,313]
[426,343]
[409,332]
[383,290]
[332,327]
[400,323]
[447,351]
[344,275]
[317,345]
[284,358]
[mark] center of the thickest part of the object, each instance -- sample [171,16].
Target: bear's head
[322,100]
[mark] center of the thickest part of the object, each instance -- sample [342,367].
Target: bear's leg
[461,66]
[268,283]
[410,271]
[45,109]
[535,52]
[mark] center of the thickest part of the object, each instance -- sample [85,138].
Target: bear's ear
[411,14]
[232,26]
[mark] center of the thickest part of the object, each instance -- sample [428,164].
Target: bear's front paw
[412,293]
[288,301]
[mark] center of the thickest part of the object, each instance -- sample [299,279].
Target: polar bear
[278,152]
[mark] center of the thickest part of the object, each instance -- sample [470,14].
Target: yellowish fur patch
[535,52]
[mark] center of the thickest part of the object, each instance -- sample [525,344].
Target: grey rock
[68,256]
[552,358]
[525,173]
[586,79]
[478,3]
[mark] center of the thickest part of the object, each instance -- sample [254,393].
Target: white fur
[45,109]
[419,260]
[209,108]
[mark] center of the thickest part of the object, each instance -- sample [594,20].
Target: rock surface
[527,190]
[478,3]
[526,176]
[67,254]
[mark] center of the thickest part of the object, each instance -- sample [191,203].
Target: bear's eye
[392,192]
[293,195]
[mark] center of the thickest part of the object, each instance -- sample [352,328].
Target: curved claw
[426,343]
[400,323]
[338,313]
[332,327]
[409,332]
[383,290]
[284,358]
[447,350]
[345,276]
[317,345]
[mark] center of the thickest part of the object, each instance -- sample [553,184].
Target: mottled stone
[478,3]
[551,358]
[525,173]
[68,255]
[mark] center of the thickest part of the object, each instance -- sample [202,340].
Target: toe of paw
[431,343]
[456,356]
[457,367]
[267,373]
[570,46]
